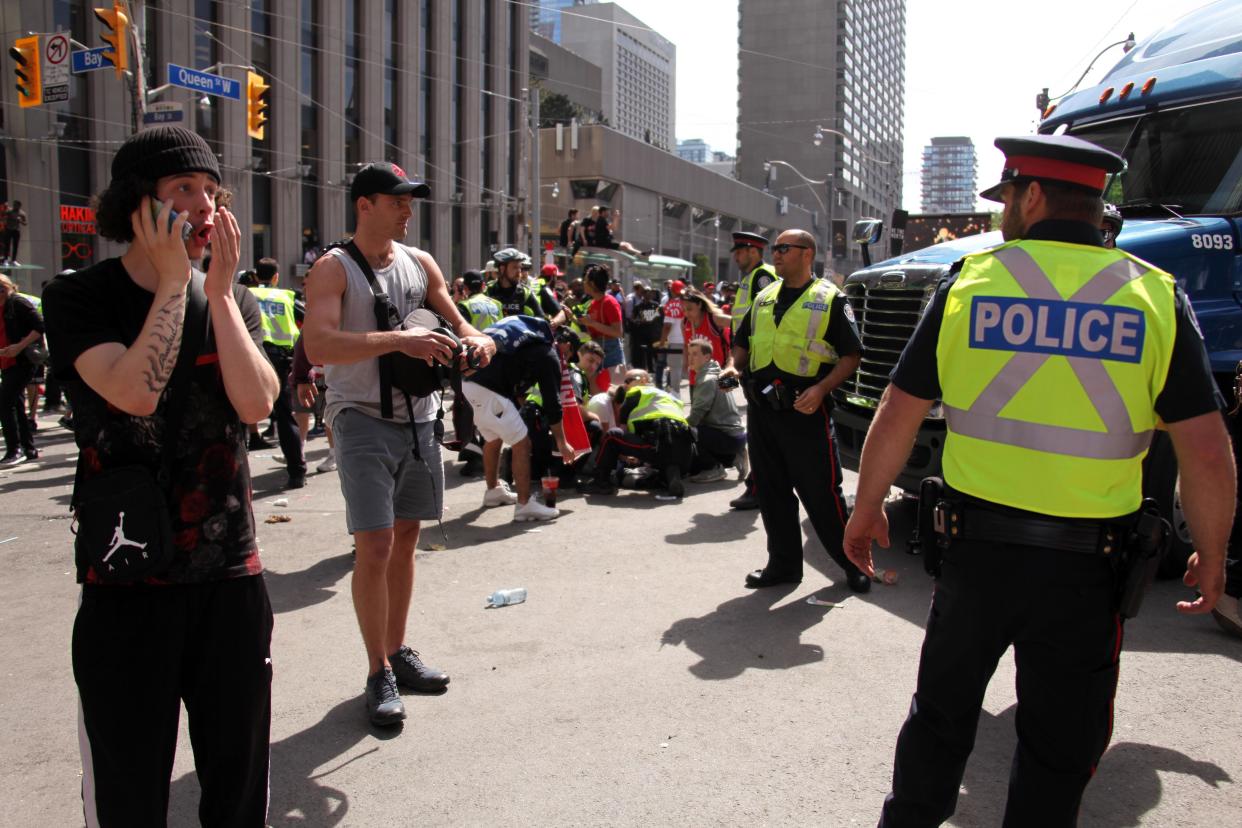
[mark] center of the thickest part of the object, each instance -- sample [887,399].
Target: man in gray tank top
[390,470]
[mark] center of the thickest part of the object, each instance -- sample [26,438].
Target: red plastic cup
[550,485]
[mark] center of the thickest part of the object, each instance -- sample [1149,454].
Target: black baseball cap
[384,178]
[473,279]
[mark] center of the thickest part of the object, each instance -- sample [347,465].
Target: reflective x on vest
[1076,341]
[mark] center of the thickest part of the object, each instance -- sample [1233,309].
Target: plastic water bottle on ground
[505,597]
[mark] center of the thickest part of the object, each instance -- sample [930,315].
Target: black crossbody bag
[412,377]
[124,527]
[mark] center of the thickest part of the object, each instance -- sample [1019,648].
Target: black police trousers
[1058,611]
[282,413]
[794,457]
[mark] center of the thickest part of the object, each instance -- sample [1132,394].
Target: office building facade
[821,88]
[950,175]
[545,16]
[435,86]
[639,70]
[695,150]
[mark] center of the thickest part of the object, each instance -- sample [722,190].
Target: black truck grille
[886,318]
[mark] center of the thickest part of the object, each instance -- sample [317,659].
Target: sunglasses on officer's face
[785,248]
[1108,234]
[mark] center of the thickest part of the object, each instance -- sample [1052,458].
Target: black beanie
[164,150]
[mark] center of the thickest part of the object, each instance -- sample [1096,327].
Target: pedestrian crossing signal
[256,106]
[25,52]
[117,35]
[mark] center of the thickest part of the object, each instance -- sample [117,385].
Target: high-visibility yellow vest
[276,305]
[1051,356]
[653,404]
[483,311]
[583,332]
[746,292]
[576,378]
[797,344]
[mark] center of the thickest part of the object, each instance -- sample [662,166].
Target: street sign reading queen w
[204,82]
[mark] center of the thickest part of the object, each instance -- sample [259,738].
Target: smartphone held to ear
[157,207]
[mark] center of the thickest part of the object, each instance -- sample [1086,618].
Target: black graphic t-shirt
[210,497]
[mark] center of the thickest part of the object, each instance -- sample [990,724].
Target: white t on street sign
[55,68]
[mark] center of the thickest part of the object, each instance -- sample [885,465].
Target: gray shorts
[380,477]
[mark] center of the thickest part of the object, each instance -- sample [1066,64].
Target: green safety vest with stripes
[745,291]
[1050,357]
[797,344]
[583,332]
[576,378]
[654,404]
[276,305]
[482,311]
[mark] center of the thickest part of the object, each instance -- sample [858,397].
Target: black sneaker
[384,705]
[676,487]
[599,487]
[257,443]
[411,673]
[296,481]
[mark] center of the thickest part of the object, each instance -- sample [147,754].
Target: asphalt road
[640,684]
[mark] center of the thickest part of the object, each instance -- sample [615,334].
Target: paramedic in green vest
[280,332]
[481,311]
[654,431]
[795,344]
[1055,359]
[755,275]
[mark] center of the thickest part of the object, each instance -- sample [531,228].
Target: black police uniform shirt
[510,373]
[1189,390]
[519,299]
[841,335]
[212,520]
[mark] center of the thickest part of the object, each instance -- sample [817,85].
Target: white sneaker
[533,510]
[709,475]
[499,496]
[328,465]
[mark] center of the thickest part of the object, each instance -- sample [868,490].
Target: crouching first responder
[797,342]
[1053,356]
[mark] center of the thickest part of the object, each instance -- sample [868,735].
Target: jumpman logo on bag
[119,539]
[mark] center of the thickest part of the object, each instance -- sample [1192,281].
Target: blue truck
[1173,108]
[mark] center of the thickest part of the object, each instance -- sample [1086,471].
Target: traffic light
[256,106]
[25,51]
[117,35]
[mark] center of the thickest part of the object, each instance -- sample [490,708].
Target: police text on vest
[1071,329]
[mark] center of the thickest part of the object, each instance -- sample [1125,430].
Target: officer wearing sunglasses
[795,345]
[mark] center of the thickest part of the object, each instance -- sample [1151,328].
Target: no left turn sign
[55,68]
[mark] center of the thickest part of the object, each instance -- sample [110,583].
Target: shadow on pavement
[746,633]
[1126,785]
[290,591]
[713,528]
[299,795]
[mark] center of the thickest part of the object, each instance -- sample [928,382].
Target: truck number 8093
[1211,241]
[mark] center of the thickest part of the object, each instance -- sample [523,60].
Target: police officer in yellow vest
[1054,358]
[479,309]
[280,332]
[755,275]
[796,344]
[655,432]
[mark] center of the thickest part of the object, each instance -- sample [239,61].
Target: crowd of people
[167,368]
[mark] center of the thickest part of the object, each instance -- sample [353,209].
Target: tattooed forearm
[164,343]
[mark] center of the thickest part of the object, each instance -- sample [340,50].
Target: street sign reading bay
[89,60]
[163,112]
[204,82]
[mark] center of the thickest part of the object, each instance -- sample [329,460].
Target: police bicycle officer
[280,333]
[798,343]
[1054,358]
[756,274]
